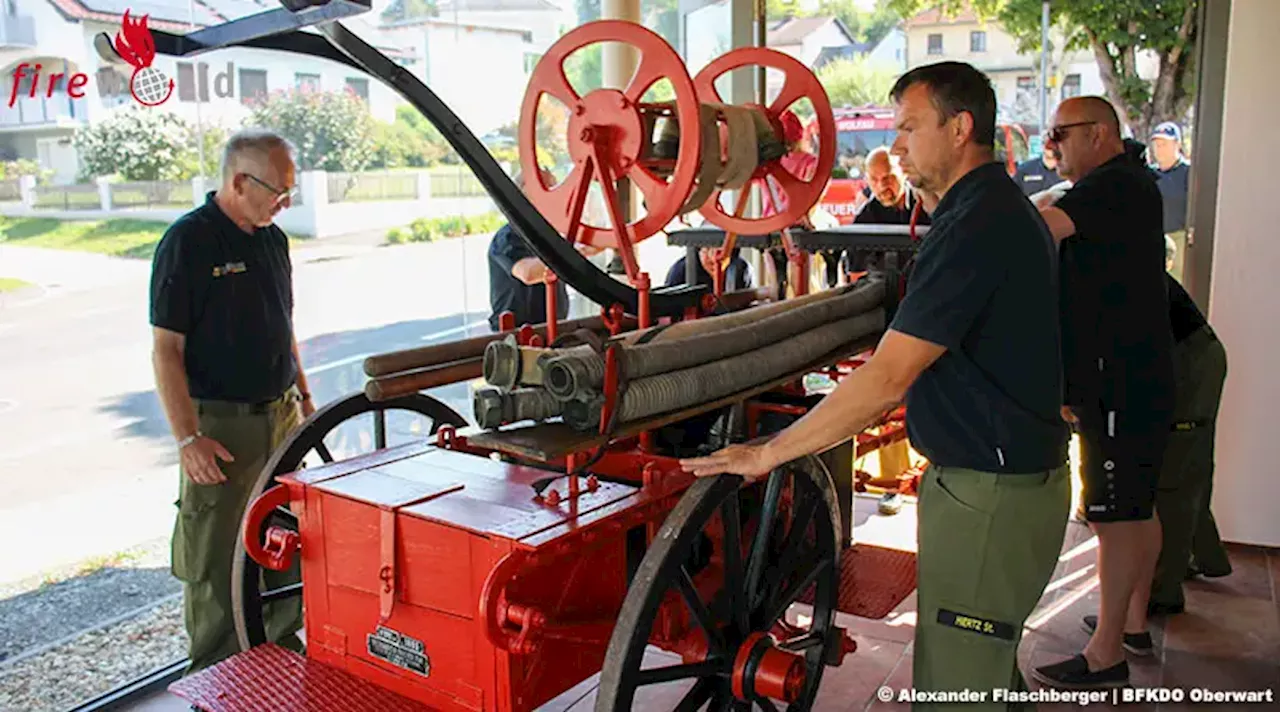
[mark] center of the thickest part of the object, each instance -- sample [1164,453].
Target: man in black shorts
[1117,348]
[973,349]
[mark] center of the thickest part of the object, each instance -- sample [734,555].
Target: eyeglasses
[1058,133]
[280,195]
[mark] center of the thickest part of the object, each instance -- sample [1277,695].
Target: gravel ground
[58,604]
[91,664]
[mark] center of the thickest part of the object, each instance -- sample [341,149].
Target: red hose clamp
[277,552]
[445,437]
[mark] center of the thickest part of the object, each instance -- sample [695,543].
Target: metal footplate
[269,678]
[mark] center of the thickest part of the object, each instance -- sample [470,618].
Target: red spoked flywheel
[607,139]
[799,194]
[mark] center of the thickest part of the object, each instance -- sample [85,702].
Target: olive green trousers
[207,529]
[989,544]
[1189,532]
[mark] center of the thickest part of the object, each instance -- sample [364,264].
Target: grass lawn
[9,284]
[121,237]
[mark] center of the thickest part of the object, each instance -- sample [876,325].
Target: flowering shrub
[332,131]
[136,144]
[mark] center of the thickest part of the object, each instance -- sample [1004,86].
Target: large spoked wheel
[346,427]
[735,598]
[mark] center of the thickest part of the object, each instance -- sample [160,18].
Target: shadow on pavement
[334,363]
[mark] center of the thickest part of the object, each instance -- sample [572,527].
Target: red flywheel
[799,194]
[607,139]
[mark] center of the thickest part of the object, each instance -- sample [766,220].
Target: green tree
[1116,31]
[856,82]
[136,144]
[332,131]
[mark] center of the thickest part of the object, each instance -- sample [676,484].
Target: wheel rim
[247,595]
[793,547]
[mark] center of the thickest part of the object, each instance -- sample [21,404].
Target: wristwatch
[183,443]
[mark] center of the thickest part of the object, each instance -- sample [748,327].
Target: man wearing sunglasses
[1117,349]
[229,377]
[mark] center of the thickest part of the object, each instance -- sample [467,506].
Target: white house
[544,20]
[806,37]
[457,56]
[215,87]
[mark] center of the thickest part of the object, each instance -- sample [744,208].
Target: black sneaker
[1073,674]
[1136,643]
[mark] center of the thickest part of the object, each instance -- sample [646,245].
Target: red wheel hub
[762,670]
[606,136]
[799,194]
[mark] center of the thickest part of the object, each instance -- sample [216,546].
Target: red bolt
[579,109]
[554,498]
[622,101]
[587,134]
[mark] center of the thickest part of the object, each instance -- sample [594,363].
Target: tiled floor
[1228,640]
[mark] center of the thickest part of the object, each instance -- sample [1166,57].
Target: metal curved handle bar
[547,243]
[277,555]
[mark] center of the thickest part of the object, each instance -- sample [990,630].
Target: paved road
[86,458]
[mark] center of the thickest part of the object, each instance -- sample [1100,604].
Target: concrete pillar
[27,189]
[424,186]
[198,190]
[618,60]
[1244,289]
[104,192]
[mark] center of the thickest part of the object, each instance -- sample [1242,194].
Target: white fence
[328,204]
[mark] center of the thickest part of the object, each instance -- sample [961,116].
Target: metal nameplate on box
[400,650]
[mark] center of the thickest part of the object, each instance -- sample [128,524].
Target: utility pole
[1044,66]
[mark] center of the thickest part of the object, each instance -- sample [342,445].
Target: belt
[222,407]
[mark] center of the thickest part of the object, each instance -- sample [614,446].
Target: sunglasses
[280,195]
[1058,133]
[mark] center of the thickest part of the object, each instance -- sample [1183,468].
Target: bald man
[228,374]
[1117,349]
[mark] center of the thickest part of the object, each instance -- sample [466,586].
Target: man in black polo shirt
[892,203]
[1119,372]
[1173,175]
[973,348]
[229,377]
[1037,174]
[517,278]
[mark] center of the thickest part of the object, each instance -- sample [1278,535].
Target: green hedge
[432,229]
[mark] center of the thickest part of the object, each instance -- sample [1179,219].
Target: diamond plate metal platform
[270,678]
[873,580]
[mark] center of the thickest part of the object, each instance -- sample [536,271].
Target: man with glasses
[973,350]
[229,377]
[1117,345]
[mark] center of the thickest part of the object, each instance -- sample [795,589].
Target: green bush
[135,144]
[432,229]
[24,167]
[332,131]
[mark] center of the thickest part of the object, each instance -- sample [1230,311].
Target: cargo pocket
[954,528]
[197,538]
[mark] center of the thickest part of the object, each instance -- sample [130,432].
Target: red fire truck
[860,130]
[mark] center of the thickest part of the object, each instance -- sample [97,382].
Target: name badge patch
[974,624]
[229,268]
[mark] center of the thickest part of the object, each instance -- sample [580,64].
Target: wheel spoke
[647,73]
[699,610]
[276,594]
[791,92]
[670,673]
[699,693]
[650,185]
[757,563]
[555,83]
[380,429]
[766,704]
[733,573]
[784,601]
[789,555]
